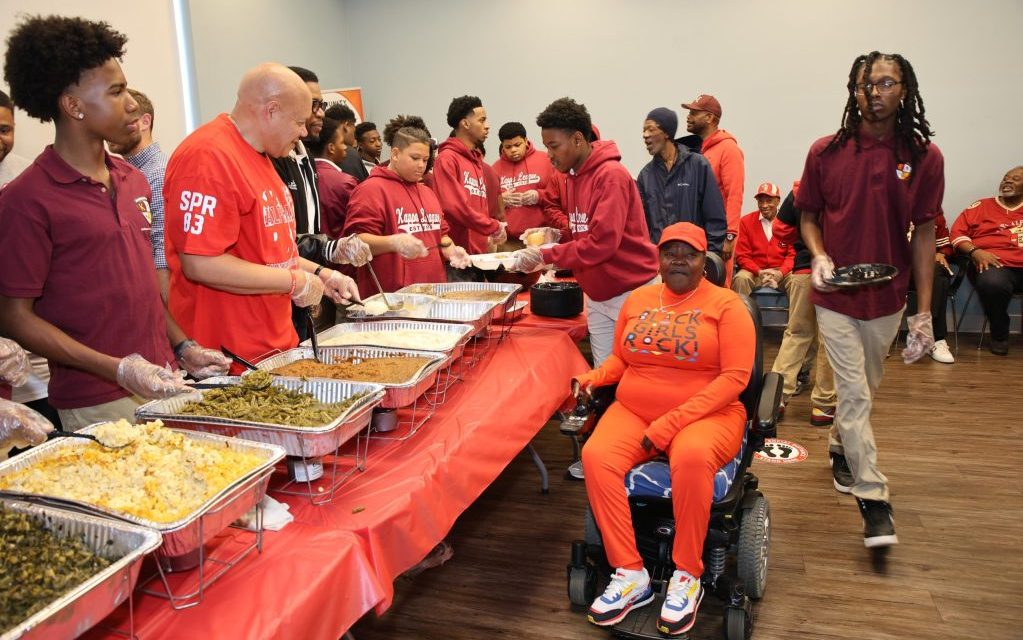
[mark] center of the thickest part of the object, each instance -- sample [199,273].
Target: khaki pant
[75,419]
[857,349]
[600,321]
[798,341]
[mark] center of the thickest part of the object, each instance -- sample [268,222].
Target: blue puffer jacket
[688,193]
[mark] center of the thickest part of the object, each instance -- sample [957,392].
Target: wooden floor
[949,439]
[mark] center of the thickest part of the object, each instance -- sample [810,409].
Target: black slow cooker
[556,299]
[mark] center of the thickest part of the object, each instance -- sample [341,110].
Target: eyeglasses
[884,87]
[319,105]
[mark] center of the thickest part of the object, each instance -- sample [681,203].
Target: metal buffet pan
[181,536]
[478,314]
[71,614]
[398,394]
[296,441]
[438,289]
[459,333]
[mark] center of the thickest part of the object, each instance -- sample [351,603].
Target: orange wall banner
[351,97]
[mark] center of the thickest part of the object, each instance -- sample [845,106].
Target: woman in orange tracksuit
[683,352]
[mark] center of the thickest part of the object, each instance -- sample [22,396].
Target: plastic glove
[145,379]
[201,362]
[351,250]
[408,246]
[530,198]
[920,339]
[339,287]
[537,236]
[14,364]
[457,257]
[21,425]
[511,199]
[501,235]
[308,289]
[822,269]
[528,260]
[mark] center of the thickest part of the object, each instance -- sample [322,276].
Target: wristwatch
[179,348]
[729,236]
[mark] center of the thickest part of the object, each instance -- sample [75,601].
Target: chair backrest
[714,269]
[750,396]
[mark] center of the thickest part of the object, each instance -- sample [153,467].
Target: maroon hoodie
[531,173]
[610,251]
[460,184]
[383,204]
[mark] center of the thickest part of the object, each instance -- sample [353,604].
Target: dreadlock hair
[568,115]
[317,145]
[912,131]
[46,55]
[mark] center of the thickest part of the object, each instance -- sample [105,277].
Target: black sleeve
[787,212]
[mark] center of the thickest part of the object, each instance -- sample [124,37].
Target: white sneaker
[678,613]
[627,590]
[941,353]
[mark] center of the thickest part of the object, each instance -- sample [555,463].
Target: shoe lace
[618,584]
[677,589]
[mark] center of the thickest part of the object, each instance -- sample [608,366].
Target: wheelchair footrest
[641,624]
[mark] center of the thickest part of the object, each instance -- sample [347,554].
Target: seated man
[675,399]
[763,261]
[990,233]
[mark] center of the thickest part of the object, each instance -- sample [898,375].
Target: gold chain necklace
[660,298]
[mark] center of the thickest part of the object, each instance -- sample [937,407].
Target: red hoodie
[531,173]
[729,165]
[383,204]
[461,188]
[610,251]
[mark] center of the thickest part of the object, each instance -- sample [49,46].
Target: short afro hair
[340,112]
[568,115]
[305,74]
[327,132]
[511,130]
[462,108]
[5,101]
[363,128]
[46,55]
[401,122]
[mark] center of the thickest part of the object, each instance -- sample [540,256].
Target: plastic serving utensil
[373,274]
[85,436]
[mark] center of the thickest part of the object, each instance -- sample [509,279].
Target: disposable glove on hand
[501,236]
[458,257]
[201,362]
[19,424]
[822,270]
[308,289]
[528,260]
[352,250]
[14,364]
[408,246]
[920,339]
[530,198]
[339,287]
[145,379]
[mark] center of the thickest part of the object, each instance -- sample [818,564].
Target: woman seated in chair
[990,233]
[683,352]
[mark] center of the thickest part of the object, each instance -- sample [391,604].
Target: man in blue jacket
[678,185]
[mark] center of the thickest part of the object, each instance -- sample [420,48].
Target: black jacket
[352,165]
[297,179]
[789,214]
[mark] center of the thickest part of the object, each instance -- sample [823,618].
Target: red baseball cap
[687,232]
[768,189]
[706,103]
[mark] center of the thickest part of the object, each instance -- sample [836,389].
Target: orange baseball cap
[768,189]
[706,103]
[687,232]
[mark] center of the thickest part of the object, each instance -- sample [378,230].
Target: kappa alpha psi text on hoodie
[610,251]
[461,188]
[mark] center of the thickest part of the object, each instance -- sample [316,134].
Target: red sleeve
[551,200]
[455,199]
[25,246]
[930,188]
[365,211]
[942,239]
[202,215]
[963,225]
[744,247]
[785,233]
[733,178]
[737,352]
[607,225]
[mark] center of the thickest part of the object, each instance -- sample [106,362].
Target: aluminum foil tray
[181,536]
[438,288]
[310,442]
[396,395]
[460,332]
[78,610]
[424,307]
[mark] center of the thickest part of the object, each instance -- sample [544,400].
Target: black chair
[739,520]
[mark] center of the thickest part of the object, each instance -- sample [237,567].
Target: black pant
[995,288]
[939,301]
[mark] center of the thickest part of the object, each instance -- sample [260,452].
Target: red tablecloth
[320,574]
[575,327]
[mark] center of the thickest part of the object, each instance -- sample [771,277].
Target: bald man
[235,268]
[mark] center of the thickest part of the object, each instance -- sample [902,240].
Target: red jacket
[729,165]
[383,204]
[460,184]
[610,251]
[531,173]
[753,251]
[552,199]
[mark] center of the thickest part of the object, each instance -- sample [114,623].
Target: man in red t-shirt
[861,189]
[231,223]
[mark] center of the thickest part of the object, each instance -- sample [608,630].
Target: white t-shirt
[11,166]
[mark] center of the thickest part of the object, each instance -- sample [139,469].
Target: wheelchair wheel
[738,624]
[582,586]
[755,547]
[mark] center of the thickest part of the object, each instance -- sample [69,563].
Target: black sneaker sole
[881,541]
[685,624]
[610,622]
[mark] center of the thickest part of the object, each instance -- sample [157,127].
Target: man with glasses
[861,190]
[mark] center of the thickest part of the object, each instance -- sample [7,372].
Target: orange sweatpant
[694,455]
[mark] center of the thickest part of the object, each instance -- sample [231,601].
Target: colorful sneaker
[878,523]
[678,613]
[941,353]
[821,417]
[841,472]
[627,591]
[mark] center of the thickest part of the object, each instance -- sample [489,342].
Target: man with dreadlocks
[861,189]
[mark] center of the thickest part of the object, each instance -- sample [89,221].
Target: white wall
[150,62]
[231,36]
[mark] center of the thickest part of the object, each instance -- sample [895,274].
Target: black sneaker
[878,524]
[999,347]
[842,473]
[802,379]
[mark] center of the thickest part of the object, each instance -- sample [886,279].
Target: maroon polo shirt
[88,263]
[865,202]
